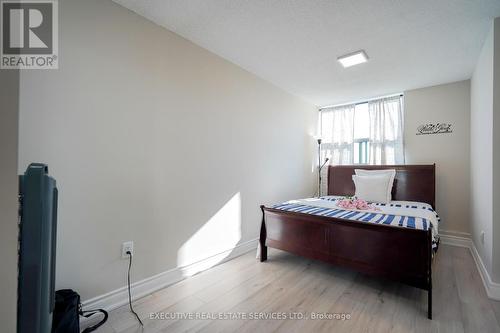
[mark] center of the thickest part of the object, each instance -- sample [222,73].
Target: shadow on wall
[214,241]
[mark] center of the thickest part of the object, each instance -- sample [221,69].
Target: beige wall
[482,152]
[447,103]
[485,152]
[496,153]
[156,140]
[9,106]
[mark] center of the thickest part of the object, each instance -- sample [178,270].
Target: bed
[396,252]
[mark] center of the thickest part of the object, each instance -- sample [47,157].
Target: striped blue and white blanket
[409,214]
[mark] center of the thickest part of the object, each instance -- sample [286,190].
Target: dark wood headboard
[412,182]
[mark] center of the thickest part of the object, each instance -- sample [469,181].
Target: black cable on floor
[128,284]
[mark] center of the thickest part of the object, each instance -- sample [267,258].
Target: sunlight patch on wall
[214,241]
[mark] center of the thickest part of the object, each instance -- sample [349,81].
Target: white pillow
[391,173]
[371,188]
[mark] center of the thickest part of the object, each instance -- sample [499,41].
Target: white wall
[9,106]
[447,103]
[152,139]
[482,152]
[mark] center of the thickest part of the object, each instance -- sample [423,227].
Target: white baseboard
[139,289]
[445,232]
[492,288]
[455,240]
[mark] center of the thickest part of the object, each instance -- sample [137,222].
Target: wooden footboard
[397,253]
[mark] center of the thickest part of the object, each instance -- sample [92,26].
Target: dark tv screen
[37,249]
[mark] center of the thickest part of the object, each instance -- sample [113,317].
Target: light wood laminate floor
[291,284]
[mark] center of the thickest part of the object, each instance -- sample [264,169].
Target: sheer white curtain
[386,131]
[337,134]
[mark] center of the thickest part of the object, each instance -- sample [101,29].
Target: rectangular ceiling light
[352,59]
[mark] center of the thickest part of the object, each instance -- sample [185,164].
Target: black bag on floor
[67,311]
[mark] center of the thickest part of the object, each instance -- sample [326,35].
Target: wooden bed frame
[392,252]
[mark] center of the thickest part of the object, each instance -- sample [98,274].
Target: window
[361,151]
[364,133]
[361,133]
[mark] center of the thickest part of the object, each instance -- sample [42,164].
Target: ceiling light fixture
[352,59]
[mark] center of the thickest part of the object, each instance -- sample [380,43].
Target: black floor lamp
[320,166]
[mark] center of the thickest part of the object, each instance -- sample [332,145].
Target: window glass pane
[363,152]
[361,121]
[367,153]
[356,153]
[327,126]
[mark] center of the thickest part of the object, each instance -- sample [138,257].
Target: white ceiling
[295,44]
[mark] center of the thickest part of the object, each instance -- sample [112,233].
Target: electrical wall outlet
[126,247]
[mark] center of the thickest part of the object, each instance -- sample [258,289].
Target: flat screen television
[37,250]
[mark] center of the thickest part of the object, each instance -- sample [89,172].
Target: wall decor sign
[438,128]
